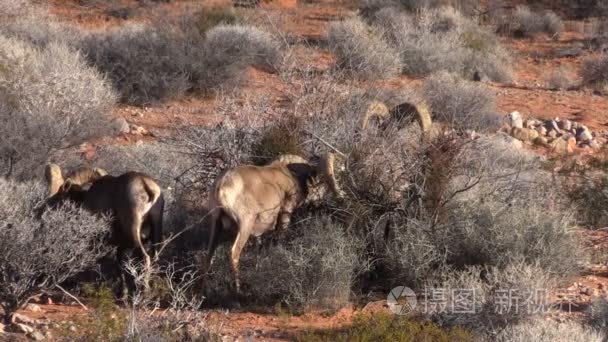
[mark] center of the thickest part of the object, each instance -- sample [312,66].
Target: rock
[120,125]
[72,328]
[542,130]
[565,125]
[531,123]
[563,145]
[583,135]
[553,134]
[36,336]
[22,328]
[138,130]
[551,125]
[510,140]
[541,141]
[33,307]
[19,318]
[524,134]
[48,335]
[2,328]
[516,120]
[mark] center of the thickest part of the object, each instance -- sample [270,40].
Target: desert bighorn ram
[134,201]
[256,199]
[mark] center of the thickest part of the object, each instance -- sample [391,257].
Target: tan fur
[86,175]
[261,198]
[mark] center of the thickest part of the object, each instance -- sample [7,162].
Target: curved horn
[86,175]
[54,178]
[374,109]
[326,168]
[290,159]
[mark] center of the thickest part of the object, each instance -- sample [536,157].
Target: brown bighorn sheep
[134,201]
[257,199]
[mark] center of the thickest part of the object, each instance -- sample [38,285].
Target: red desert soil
[533,61]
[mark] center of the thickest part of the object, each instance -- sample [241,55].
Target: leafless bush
[146,62]
[49,98]
[361,51]
[443,39]
[595,70]
[523,22]
[552,24]
[559,80]
[228,50]
[41,28]
[598,315]
[486,310]
[495,213]
[463,104]
[540,329]
[313,265]
[38,253]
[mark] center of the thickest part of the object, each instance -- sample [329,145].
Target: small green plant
[106,321]
[278,139]
[213,16]
[385,327]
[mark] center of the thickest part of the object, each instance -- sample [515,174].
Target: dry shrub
[361,51]
[227,52]
[544,330]
[49,98]
[146,62]
[594,71]
[39,252]
[559,80]
[598,315]
[462,104]
[312,266]
[443,39]
[523,22]
[496,212]
[161,59]
[484,306]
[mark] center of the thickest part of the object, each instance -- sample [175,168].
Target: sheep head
[323,168]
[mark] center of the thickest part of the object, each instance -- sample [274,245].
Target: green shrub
[388,328]
[278,139]
[210,17]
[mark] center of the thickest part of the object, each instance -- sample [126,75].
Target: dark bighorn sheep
[257,199]
[134,201]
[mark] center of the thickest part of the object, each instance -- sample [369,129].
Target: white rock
[566,125]
[120,125]
[516,120]
[583,135]
[33,307]
[36,336]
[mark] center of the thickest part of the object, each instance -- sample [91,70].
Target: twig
[72,296]
[326,143]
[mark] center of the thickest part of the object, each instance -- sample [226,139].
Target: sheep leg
[237,248]
[214,227]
